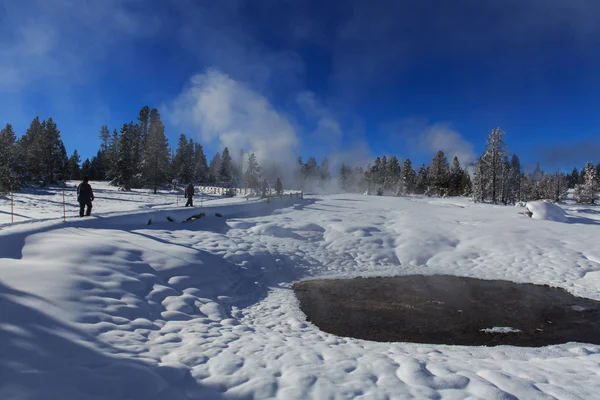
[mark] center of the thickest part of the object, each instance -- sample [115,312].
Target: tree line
[496,177]
[138,156]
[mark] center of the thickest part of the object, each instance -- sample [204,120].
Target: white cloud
[220,109]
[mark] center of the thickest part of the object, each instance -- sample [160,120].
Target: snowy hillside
[109,307]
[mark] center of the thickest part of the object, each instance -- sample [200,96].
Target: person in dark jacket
[189,194]
[85,196]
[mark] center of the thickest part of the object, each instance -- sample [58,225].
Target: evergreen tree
[492,164]
[561,186]
[215,167]
[183,163]
[86,167]
[8,154]
[252,176]
[374,174]
[311,169]
[393,180]
[32,145]
[104,138]
[55,155]
[479,182]
[201,172]
[226,168]
[73,169]
[439,173]
[409,177]
[97,168]
[586,193]
[112,156]
[422,181]
[345,177]
[466,187]
[514,180]
[383,171]
[455,187]
[155,161]
[125,160]
[573,178]
[144,120]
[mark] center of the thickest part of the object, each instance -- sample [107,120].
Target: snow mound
[547,211]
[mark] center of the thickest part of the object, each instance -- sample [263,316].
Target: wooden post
[177,195]
[64,205]
[12,205]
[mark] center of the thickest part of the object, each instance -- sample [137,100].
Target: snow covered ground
[109,307]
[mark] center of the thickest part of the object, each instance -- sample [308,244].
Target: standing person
[189,194]
[85,196]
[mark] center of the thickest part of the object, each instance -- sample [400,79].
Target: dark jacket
[189,191]
[84,193]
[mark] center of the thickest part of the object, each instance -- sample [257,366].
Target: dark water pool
[444,309]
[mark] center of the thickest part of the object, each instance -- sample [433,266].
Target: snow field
[110,307]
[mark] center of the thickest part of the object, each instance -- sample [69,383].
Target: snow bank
[546,211]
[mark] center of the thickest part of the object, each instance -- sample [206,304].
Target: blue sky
[348,79]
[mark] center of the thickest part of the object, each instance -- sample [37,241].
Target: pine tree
[409,177]
[86,167]
[573,178]
[145,119]
[439,173]
[73,169]
[55,154]
[201,172]
[8,154]
[561,186]
[383,170]
[455,178]
[252,176]
[112,156]
[125,168]
[97,168]
[491,166]
[393,180]
[226,169]
[183,163]
[345,177]
[479,182]
[104,138]
[514,180]
[586,193]
[215,167]
[33,151]
[422,181]
[155,160]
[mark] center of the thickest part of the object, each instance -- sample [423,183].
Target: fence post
[64,205]
[12,205]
